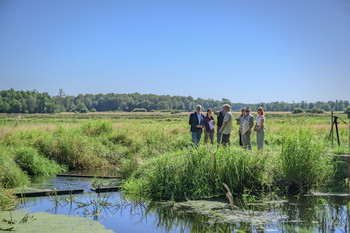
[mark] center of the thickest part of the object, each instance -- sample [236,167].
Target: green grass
[199,173]
[30,161]
[154,155]
[304,164]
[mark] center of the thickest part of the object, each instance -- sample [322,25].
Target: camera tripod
[335,122]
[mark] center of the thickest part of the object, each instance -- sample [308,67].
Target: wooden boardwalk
[87,176]
[41,193]
[106,189]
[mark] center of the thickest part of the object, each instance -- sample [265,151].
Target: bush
[7,199]
[73,148]
[95,128]
[303,162]
[34,164]
[297,111]
[347,110]
[315,110]
[175,111]
[11,174]
[199,173]
[139,110]
[83,110]
[93,110]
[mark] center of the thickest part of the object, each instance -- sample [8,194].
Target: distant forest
[12,101]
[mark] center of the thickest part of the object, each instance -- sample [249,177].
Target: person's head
[247,110]
[198,108]
[260,111]
[242,111]
[209,111]
[226,108]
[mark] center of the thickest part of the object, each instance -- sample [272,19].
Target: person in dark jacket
[221,115]
[197,123]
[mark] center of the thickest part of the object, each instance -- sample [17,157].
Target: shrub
[199,173]
[95,128]
[93,110]
[7,199]
[297,111]
[175,111]
[72,148]
[347,110]
[11,174]
[139,110]
[303,162]
[34,164]
[84,110]
[315,110]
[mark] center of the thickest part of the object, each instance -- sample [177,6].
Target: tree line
[12,101]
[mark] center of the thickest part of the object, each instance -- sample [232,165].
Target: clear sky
[247,51]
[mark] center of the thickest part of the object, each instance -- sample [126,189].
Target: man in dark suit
[197,123]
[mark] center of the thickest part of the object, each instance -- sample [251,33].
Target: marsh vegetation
[152,153]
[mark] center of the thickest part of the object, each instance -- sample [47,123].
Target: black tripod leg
[331,133]
[336,128]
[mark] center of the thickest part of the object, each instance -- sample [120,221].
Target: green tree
[16,107]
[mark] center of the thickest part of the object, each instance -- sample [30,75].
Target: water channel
[312,213]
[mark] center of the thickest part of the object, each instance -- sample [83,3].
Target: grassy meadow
[154,155]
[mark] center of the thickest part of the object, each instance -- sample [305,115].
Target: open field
[153,153]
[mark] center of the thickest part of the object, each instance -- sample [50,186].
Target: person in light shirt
[226,127]
[260,128]
[247,129]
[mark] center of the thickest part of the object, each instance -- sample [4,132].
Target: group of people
[224,124]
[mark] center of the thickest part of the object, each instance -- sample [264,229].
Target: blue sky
[247,51]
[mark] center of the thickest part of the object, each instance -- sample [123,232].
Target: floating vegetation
[44,222]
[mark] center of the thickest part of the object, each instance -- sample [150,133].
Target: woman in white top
[260,128]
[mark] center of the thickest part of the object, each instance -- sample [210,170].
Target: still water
[313,213]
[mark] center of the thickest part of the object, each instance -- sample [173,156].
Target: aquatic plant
[11,174]
[35,164]
[303,162]
[199,173]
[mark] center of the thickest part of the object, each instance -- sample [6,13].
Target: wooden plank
[344,155]
[50,192]
[106,189]
[87,176]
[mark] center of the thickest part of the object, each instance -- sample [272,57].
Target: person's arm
[222,127]
[202,123]
[226,119]
[255,127]
[192,122]
[251,122]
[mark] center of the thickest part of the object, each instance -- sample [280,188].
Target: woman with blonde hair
[260,128]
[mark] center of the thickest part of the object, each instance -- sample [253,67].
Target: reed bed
[155,157]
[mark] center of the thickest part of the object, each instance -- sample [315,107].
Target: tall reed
[198,173]
[303,162]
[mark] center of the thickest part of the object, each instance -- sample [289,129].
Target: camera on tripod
[335,123]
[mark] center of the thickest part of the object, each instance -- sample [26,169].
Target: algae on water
[222,212]
[43,223]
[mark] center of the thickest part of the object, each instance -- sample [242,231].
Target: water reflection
[303,214]
[308,214]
